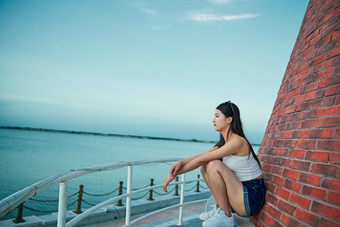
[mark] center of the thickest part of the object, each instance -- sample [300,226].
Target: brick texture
[300,152]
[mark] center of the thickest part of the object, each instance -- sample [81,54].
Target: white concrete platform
[170,218]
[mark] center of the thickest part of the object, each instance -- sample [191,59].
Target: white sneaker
[206,215]
[220,220]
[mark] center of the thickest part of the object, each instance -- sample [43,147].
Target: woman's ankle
[226,211]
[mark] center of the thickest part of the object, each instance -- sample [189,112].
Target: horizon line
[109,134]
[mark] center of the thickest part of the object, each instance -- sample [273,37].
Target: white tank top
[244,167]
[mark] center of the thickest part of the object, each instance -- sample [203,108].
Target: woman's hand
[175,168]
[173,173]
[166,182]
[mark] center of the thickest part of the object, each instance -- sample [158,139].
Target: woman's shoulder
[242,144]
[239,139]
[236,142]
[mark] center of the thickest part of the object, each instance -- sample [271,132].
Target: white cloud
[203,17]
[148,11]
[144,9]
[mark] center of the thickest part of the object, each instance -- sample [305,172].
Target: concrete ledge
[29,221]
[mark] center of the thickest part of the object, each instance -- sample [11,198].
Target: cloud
[144,9]
[150,12]
[203,17]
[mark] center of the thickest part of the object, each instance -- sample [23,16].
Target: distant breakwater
[104,134]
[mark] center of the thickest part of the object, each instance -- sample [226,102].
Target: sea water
[27,157]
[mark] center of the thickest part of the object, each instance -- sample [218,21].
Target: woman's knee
[203,169]
[213,165]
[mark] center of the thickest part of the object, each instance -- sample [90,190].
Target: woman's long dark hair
[231,110]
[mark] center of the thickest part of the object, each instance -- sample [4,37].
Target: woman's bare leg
[226,188]
[208,182]
[218,189]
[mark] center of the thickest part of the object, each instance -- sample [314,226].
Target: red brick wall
[300,152]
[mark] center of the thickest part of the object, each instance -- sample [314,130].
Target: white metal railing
[11,202]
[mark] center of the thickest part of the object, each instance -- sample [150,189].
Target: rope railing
[81,200]
[101,195]
[88,212]
[90,204]
[140,197]
[203,187]
[137,188]
[51,201]
[13,201]
[21,207]
[165,193]
[43,201]
[17,199]
[188,190]
[46,211]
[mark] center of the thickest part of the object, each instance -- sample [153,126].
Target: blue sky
[148,67]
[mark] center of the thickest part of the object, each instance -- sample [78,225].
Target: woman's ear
[229,120]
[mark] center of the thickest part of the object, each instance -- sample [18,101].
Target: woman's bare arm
[175,168]
[187,160]
[196,161]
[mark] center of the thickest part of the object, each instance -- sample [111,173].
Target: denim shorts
[254,193]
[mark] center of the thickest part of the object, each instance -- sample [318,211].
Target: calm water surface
[27,157]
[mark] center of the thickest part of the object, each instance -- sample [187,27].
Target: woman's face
[220,121]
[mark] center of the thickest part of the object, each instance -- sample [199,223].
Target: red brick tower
[300,152]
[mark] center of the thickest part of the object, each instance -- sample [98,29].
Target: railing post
[176,188]
[19,218]
[180,218]
[198,184]
[120,192]
[80,198]
[62,204]
[128,198]
[150,192]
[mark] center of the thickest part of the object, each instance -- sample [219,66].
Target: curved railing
[11,202]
